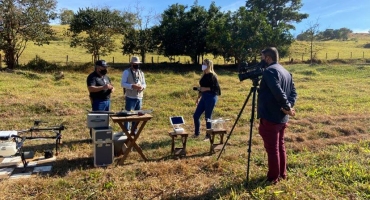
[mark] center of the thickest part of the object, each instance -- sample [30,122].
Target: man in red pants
[276,98]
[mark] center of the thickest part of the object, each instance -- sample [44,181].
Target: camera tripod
[252,91]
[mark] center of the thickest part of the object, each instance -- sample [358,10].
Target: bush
[41,65]
[367,46]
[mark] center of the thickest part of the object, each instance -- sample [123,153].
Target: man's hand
[290,112]
[108,87]
[137,87]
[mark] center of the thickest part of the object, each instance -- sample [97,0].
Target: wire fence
[156,59]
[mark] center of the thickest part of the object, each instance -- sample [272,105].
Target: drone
[11,142]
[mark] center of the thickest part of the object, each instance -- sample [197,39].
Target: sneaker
[206,138]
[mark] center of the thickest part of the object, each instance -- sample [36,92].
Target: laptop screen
[177,120]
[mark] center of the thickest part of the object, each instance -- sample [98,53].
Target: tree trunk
[143,55]
[9,58]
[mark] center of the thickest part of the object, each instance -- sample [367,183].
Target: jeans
[100,105]
[132,104]
[273,139]
[206,104]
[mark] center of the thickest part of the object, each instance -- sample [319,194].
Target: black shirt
[95,80]
[210,80]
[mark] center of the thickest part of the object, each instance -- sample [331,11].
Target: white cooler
[97,120]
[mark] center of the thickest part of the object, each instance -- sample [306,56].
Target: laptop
[177,122]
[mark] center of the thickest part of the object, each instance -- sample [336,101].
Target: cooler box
[119,140]
[96,120]
[103,146]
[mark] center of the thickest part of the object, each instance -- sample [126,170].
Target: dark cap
[101,63]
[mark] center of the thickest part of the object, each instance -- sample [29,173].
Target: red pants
[273,139]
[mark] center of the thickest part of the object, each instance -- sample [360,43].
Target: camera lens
[195,88]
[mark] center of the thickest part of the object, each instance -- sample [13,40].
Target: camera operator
[276,98]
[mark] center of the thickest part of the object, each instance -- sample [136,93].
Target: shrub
[41,65]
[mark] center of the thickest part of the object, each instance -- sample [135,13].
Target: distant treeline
[328,34]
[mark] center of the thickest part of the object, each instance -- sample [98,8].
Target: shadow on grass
[226,190]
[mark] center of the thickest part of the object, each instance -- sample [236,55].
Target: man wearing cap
[100,87]
[133,84]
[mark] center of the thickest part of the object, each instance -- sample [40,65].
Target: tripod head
[255,81]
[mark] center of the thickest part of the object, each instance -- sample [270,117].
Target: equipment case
[103,146]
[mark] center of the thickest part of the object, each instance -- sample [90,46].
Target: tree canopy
[24,21]
[94,29]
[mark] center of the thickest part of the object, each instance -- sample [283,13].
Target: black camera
[196,88]
[250,72]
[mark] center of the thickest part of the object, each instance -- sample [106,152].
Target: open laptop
[177,122]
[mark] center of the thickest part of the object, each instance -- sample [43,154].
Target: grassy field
[328,141]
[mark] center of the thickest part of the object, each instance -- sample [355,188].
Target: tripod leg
[250,131]
[236,121]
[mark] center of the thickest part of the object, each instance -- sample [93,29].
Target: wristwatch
[287,108]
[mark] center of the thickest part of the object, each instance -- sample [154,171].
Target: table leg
[131,140]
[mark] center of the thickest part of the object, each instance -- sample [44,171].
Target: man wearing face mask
[133,84]
[276,98]
[209,91]
[100,88]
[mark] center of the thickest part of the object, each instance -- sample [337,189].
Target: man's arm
[124,80]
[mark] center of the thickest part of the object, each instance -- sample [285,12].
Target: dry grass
[328,141]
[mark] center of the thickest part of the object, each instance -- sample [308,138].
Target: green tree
[240,34]
[170,32]
[24,21]
[343,33]
[139,39]
[280,15]
[279,11]
[66,16]
[94,29]
[183,32]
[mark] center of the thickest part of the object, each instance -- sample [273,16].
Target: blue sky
[334,14]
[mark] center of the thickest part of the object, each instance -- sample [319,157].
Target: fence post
[1,60]
[351,55]
[363,54]
[152,60]
[302,56]
[92,58]
[67,60]
[113,60]
[326,55]
[338,56]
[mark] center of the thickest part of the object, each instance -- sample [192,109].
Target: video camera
[252,72]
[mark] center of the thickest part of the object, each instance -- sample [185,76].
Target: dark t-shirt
[210,80]
[95,80]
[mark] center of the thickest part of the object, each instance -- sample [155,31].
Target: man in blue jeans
[133,84]
[100,87]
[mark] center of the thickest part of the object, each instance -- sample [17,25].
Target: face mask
[135,66]
[103,72]
[204,67]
